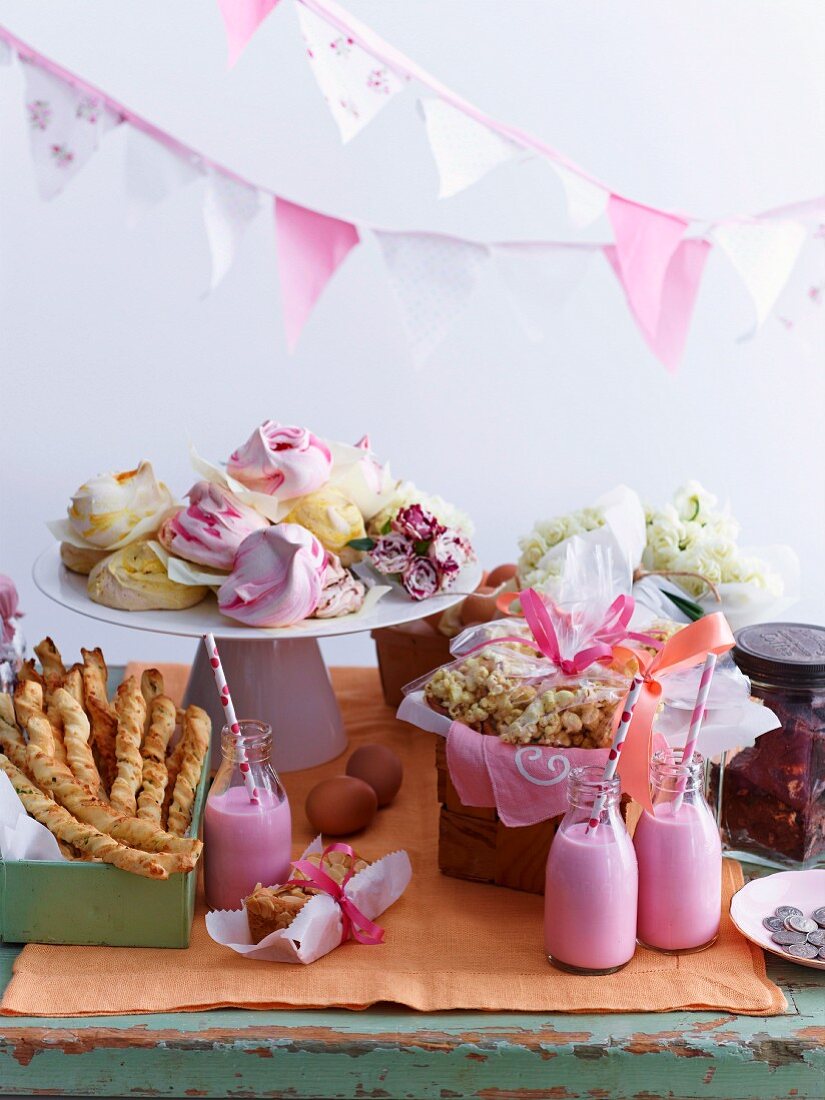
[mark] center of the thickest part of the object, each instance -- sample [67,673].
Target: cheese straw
[229,712]
[696,722]
[615,750]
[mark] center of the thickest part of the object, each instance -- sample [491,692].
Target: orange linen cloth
[449,944]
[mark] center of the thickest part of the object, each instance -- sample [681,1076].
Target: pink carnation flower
[392,553]
[417,523]
[421,579]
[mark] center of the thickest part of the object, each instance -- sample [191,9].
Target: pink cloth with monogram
[525,783]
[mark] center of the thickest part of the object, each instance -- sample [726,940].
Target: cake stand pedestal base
[284,683]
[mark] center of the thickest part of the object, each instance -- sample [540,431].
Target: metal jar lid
[788,655]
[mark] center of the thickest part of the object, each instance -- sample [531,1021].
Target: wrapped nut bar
[272,908]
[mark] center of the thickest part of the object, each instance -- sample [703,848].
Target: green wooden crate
[95,903]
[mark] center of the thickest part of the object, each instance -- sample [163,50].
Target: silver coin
[788,937]
[819,916]
[787,911]
[800,924]
[774,924]
[802,950]
[822,952]
[817,938]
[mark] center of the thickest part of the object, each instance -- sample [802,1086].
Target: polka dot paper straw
[696,721]
[615,750]
[229,712]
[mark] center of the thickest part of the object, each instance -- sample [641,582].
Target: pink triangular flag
[679,290]
[242,18]
[311,246]
[645,242]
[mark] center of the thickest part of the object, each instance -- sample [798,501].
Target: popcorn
[496,691]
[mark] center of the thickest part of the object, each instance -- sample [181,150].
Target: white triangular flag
[5,52]
[539,278]
[355,84]
[764,255]
[153,170]
[65,127]
[586,201]
[228,207]
[433,278]
[464,150]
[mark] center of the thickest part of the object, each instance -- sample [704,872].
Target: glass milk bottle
[591,882]
[680,859]
[245,843]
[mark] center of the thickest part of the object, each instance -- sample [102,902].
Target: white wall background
[109,354]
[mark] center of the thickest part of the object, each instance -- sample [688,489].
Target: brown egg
[380,767]
[341,805]
[500,575]
[480,607]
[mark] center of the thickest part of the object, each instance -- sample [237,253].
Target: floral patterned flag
[355,84]
[464,150]
[764,255]
[228,207]
[65,127]
[433,278]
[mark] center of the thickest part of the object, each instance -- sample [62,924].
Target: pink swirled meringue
[213,526]
[282,461]
[342,592]
[277,578]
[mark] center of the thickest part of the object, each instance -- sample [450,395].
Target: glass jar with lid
[771,799]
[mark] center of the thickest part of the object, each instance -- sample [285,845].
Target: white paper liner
[318,928]
[64,532]
[21,837]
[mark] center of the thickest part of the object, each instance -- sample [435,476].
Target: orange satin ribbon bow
[689,647]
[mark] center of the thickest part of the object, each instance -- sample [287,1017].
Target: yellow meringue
[333,518]
[135,579]
[110,510]
[80,559]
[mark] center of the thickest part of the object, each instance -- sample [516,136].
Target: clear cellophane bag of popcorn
[498,685]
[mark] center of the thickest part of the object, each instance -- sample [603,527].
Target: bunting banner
[241,19]
[433,277]
[658,257]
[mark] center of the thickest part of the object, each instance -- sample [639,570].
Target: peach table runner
[450,944]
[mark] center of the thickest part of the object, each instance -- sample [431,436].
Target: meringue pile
[271,535]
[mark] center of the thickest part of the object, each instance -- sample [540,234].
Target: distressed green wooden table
[387,1052]
[396,1053]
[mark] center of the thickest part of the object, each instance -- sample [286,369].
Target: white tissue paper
[318,928]
[21,837]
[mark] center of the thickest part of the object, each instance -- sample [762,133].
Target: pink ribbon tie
[612,631]
[355,925]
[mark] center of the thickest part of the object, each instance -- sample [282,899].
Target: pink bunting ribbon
[356,925]
[612,631]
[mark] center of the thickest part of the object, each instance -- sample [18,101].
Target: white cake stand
[277,675]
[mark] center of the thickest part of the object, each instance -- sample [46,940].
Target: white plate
[804,889]
[69,589]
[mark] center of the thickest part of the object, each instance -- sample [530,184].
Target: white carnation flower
[533,567]
[694,502]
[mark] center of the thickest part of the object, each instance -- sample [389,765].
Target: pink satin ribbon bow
[356,925]
[611,632]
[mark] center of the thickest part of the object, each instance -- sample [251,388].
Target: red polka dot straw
[615,749]
[229,712]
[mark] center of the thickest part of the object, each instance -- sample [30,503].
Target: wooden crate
[407,652]
[474,844]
